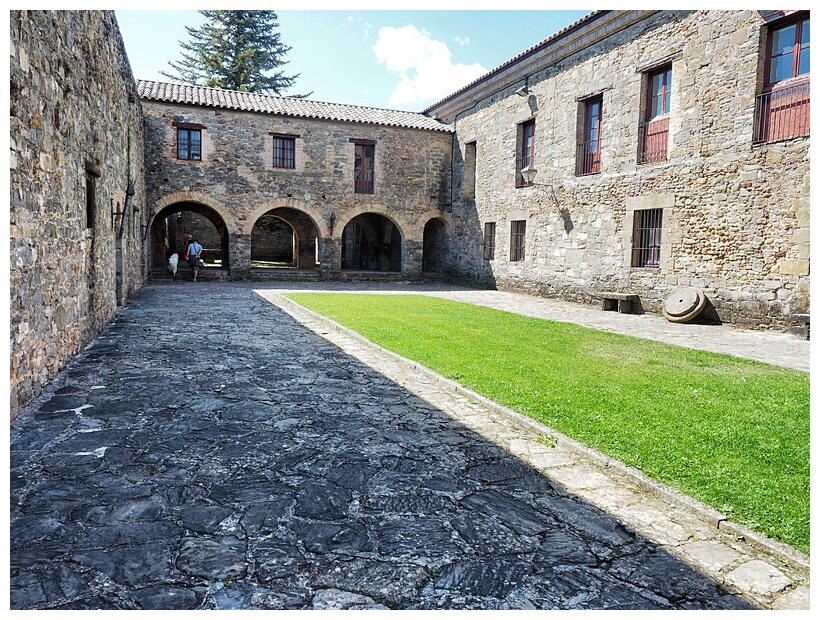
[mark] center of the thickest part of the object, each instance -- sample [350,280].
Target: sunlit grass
[732,433]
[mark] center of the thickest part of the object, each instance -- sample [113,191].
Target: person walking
[195,257]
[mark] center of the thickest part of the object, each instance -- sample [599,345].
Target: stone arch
[372,241]
[305,237]
[416,228]
[167,239]
[320,216]
[398,219]
[197,198]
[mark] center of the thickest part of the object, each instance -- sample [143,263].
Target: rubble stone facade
[734,214]
[235,181]
[696,195]
[76,149]
[76,248]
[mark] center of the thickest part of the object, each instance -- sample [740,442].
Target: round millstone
[683,304]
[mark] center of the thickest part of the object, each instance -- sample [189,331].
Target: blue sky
[387,59]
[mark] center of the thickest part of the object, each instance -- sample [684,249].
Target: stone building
[670,149]
[634,151]
[320,189]
[76,189]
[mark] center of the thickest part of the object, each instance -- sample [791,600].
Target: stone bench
[622,302]
[806,324]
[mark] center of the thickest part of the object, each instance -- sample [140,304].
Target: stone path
[257,457]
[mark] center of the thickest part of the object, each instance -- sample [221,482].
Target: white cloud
[462,40]
[424,66]
[358,21]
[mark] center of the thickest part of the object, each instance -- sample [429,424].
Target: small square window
[189,143]
[284,152]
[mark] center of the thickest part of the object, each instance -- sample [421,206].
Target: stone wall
[735,215]
[272,240]
[76,142]
[186,223]
[236,180]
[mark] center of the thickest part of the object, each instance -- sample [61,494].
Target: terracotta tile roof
[286,106]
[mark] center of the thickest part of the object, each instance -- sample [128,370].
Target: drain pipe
[129,195]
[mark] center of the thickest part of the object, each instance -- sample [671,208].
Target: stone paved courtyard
[209,451]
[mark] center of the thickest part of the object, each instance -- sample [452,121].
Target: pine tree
[235,50]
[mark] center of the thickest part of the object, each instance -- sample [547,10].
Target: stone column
[240,257]
[331,256]
[413,252]
[306,253]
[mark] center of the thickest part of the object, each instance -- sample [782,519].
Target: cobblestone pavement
[250,455]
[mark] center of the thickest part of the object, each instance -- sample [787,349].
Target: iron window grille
[654,131]
[646,240]
[489,241]
[782,109]
[518,240]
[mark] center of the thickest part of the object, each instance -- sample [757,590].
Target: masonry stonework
[411,178]
[99,197]
[735,215]
[76,149]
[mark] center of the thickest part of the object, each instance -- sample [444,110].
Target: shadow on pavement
[208,452]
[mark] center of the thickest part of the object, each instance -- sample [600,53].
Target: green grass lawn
[732,433]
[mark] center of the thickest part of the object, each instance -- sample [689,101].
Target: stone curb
[660,490]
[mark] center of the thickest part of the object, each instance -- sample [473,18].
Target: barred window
[646,239]
[489,241]
[518,240]
[654,130]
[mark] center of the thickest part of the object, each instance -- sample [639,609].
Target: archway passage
[172,226]
[371,242]
[284,238]
[434,251]
[273,243]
